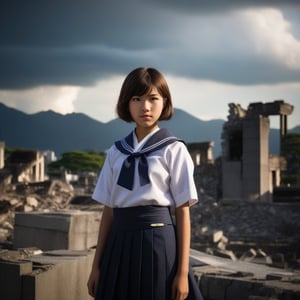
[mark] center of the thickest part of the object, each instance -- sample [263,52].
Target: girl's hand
[104,229]
[180,287]
[92,283]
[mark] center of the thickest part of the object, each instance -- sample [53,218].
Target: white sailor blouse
[162,173]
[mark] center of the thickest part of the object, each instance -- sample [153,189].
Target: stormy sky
[73,55]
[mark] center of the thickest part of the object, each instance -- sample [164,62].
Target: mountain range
[48,130]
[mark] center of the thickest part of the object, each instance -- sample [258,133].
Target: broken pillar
[255,161]
[2,156]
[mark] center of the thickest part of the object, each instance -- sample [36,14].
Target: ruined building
[22,166]
[201,153]
[206,171]
[246,163]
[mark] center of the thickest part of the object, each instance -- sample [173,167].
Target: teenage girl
[147,178]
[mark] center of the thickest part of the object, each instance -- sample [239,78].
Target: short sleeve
[102,191]
[182,184]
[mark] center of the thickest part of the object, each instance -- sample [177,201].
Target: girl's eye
[135,99]
[154,99]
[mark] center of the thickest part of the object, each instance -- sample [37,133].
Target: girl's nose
[146,105]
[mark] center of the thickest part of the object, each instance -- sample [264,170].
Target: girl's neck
[141,132]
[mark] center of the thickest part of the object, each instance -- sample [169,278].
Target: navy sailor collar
[158,140]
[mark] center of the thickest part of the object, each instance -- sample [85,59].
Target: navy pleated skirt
[139,260]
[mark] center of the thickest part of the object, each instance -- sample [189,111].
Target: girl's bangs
[142,88]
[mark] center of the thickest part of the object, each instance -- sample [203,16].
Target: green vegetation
[290,149]
[77,161]
[8,151]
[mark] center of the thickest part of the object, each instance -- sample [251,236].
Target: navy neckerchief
[157,141]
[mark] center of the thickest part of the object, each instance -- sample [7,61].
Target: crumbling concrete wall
[245,151]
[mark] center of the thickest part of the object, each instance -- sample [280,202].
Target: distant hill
[49,130]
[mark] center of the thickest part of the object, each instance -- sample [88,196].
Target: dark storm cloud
[66,23]
[198,6]
[78,42]
[75,42]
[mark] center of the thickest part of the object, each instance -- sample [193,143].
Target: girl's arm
[104,229]
[180,286]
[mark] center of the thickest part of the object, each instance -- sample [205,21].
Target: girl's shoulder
[112,150]
[176,150]
[178,145]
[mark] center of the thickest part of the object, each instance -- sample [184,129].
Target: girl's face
[146,109]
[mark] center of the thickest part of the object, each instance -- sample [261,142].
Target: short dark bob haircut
[139,82]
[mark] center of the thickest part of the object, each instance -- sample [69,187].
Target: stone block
[62,275]
[242,289]
[11,278]
[74,230]
[214,288]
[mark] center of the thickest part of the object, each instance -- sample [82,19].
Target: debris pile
[43,196]
[266,233]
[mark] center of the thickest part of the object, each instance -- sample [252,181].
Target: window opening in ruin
[274,179]
[33,175]
[235,144]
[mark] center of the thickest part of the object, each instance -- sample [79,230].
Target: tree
[79,161]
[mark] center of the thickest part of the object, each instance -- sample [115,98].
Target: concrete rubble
[246,250]
[45,196]
[261,232]
[242,251]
